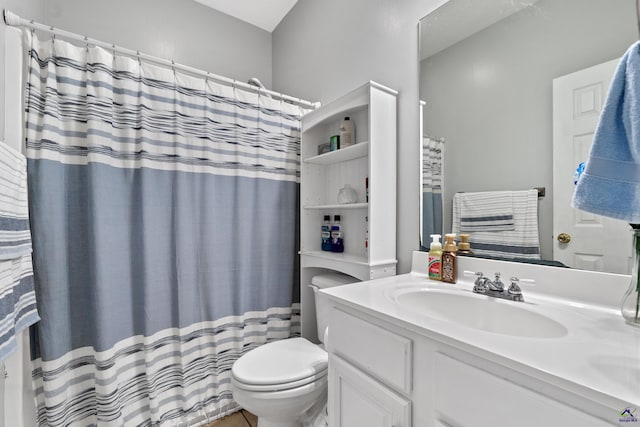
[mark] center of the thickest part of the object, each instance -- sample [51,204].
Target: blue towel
[610,184]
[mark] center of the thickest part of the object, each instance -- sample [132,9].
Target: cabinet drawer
[377,351]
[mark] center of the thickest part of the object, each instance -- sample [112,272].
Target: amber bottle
[449,261]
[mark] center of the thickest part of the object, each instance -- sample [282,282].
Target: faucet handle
[514,288]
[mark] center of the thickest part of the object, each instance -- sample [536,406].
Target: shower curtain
[432,160]
[164,212]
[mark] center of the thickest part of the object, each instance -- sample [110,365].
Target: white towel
[17,295]
[487,211]
[521,240]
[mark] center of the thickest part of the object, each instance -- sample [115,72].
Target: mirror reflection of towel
[521,241]
[469,224]
[485,211]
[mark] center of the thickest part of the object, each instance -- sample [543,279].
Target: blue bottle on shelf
[337,243]
[326,233]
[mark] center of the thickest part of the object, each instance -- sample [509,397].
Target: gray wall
[324,48]
[490,95]
[182,30]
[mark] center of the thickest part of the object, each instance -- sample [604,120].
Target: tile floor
[241,418]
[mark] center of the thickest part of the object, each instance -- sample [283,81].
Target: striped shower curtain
[164,212]
[432,161]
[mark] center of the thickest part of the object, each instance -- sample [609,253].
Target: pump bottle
[464,248]
[435,258]
[449,261]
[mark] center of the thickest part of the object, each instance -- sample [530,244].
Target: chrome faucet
[483,285]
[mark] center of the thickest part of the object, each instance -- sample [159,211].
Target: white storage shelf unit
[372,108]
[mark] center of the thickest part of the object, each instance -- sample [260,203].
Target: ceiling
[265,14]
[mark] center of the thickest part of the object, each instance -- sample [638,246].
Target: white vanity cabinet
[385,374]
[369,167]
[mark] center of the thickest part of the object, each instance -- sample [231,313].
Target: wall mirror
[487,72]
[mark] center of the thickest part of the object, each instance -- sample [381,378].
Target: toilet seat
[280,365]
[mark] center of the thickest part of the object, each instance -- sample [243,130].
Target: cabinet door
[356,400]
[468,396]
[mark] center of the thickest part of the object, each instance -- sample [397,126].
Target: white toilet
[282,381]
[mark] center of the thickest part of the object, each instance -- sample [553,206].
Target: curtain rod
[14,20]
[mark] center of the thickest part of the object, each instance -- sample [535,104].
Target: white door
[595,242]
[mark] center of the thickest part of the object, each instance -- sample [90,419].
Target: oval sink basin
[479,312]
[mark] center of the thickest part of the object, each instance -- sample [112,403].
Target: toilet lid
[280,362]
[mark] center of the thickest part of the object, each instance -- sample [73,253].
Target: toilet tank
[325,281]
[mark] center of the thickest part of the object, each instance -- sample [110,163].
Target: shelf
[339,257]
[361,149]
[356,100]
[373,109]
[338,206]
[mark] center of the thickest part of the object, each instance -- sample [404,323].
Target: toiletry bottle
[337,244]
[366,236]
[334,142]
[347,133]
[449,261]
[326,233]
[435,258]
[366,189]
[464,248]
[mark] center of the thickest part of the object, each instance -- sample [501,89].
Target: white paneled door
[581,239]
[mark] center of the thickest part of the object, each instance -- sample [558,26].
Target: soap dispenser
[449,261]
[464,248]
[435,258]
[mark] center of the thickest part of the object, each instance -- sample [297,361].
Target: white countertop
[598,357]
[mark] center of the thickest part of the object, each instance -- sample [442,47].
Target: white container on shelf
[347,133]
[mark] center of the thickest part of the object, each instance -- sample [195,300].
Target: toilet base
[269,423]
[317,411]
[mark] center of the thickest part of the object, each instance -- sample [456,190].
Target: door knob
[564,238]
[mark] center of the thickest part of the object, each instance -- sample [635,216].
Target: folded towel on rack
[487,223]
[17,295]
[610,184]
[485,211]
[522,241]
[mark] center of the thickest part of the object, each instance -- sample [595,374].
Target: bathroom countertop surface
[598,357]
